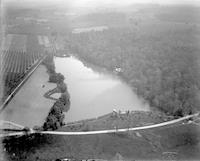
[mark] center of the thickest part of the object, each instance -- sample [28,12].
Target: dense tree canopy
[161,64]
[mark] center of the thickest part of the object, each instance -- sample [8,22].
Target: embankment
[55,118]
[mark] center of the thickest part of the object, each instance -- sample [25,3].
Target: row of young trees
[161,64]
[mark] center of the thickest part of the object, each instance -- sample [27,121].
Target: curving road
[103,131]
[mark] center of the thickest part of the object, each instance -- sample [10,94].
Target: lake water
[95,93]
[92,94]
[28,107]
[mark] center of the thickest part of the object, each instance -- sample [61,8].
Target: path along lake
[92,93]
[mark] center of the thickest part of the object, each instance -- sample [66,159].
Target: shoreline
[55,118]
[102,69]
[153,114]
[153,142]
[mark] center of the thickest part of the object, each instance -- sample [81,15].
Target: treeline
[55,118]
[161,64]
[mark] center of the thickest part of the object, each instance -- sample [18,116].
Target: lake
[95,92]
[28,107]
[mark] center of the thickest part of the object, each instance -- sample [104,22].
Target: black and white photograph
[99,80]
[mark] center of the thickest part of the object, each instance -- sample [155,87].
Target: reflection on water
[94,94]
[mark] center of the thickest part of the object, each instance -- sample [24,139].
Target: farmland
[19,54]
[154,47]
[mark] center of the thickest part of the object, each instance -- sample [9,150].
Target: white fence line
[121,130]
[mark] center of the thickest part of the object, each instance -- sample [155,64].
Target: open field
[18,43]
[7,42]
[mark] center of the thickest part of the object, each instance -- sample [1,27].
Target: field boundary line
[20,84]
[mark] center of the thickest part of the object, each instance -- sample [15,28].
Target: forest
[159,61]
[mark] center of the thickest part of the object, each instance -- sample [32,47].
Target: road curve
[104,131]
[121,130]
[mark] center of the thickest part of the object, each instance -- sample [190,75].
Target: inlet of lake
[93,92]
